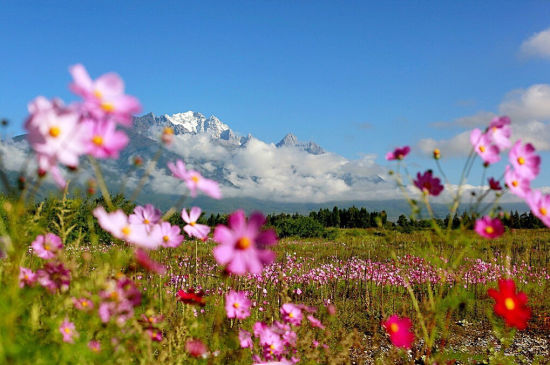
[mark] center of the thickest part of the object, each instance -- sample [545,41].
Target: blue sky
[355,77]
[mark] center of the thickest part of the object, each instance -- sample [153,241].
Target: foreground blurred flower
[83,304]
[428,184]
[510,305]
[104,140]
[481,142]
[196,348]
[26,277]
[68,331]
[516,183]
[399,330]
[315,322]
[489,227]
[194,180]
[291,314]
[524,160]
[499,132]
[398,153]
[143,259]
[94,345]
[242,245]
[237,305]
[245,339]
[147,215]
[193,229]
[46,246]
[104,97]
[170,234]
[190,297]
[54,276]
[118,300]
[539,204]
[154,334]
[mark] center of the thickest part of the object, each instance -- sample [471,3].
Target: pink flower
[118,300]
[47,246]
[154,334]
[242,245]
[517,184]
[489,227]
[399,330]
[272,344]
[196,348]
[245,339]
[104,140]
[494,184]
[68,331]
[237,305]
[488,152]
[428,184]
[118,224]
[193,229]
[524,160]
[53,277]
[94,345]
[143,259]
[170,234]
[540,205]
[315,322]
[499,132]
[104,97]
[26,277]
[291,314]
[83,304]
[148,216]
[398,153]
[195,181]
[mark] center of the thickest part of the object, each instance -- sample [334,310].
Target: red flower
[196,348]
[509,305]
[494,184]
[400,331]
[190,297]
[428,184]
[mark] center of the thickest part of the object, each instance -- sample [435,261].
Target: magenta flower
[104,97]
[46,246]
[118,300]
[94,345]
[428,184]
[272,344]
[517,184]
[193,229]
[315,322]
[118,224]
[499,132]
[194,180]
[171,236]
[399,330]
[494,184]
[245,339]
[489,227]
[148,216]
[143,259]
[196,348]
[540,205]
[291,314]
[53,277]
[26,277]
[237,305]
[398,153]
[104,140]
[524,160]
[154,334]
[83,304]
[242,245]
[488,152]
[68,331]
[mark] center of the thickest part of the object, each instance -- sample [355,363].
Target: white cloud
[537,45]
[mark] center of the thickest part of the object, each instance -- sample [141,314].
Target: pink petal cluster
[170,234]
[539,204]
[26,277]
[47,246]
[243,245]
[237,305]
[399,330]
[245,339]
[68,331]
[192,228]
[276,341]
[83,304]
[516,183]
[94,345]
[524,160]
[483,146]
[54,276]
[499,132]
[195,181]
[398,153]
[147,216]
[143,259]
[428,184]
[488,227]
[118,300]
[291,313]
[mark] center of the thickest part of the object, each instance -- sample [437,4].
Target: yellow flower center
[54,131]
[98,94]
[394,327]
[146,221]
[84,303]
[243,243]
[166,238]
[97,140]
[272,347]
[515,183]
[291,315]
[509,304]
[543,211]
[126,231]
[192,224]
[482,149]
[168,130]
[151,319]
[67,330]
[236,305]
[521,160]
[489,230]
[114,295]
[195,178]
[108,107]
[26,276]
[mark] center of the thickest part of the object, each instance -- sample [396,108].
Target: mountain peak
[288,140]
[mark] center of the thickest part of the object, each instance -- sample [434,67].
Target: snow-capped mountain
[290,140]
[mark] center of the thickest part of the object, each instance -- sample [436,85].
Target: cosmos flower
[517,184]
[237,305]
[104,140]
[242,246]
[245,339]
[147,215]
[119,298]
[291,314]
[499,132]
[193,229]
[398,153]
[94,345]
[525,161]
[143,259]
[539,204]
[494,184]
[104,98]
[196,348]
[170,234]
[83,304]
[483,146]
[68,331]
[428,184]
[54,276]
[195,181]
[46,246]
[190,297]
[315,322]
[510,305]
[489,227]
[399,330]
[26,277]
